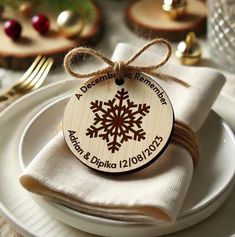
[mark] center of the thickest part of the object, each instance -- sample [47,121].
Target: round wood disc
[118,128]
[147,19]
[20,54]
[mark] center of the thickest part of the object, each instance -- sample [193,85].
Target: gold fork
[31,80]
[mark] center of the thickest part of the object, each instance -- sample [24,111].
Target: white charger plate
[224,106]
[202,200]
[29,219]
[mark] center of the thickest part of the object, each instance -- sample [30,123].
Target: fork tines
[35,75]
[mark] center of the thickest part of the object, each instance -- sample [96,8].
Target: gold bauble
[26,9]
[189,51]
[175,8]
[70,24]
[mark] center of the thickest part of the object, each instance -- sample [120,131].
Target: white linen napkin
[155,193]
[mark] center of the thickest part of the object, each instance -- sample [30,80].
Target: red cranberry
[41,23]
[13,29]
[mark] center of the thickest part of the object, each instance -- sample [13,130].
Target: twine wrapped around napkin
[155,193]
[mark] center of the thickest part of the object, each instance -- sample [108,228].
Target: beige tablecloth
[6,230]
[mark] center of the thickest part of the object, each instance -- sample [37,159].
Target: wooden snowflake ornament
[118,129]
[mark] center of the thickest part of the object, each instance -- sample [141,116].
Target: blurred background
[202,33]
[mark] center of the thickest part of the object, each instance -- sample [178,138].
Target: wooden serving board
[20,54]
[147,19]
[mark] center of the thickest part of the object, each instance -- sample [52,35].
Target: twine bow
[120,66]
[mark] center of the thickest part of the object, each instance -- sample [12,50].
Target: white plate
[224,106]
[31,220]
[201,195]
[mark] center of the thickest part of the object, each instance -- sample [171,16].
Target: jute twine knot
[182,134]
[118,67]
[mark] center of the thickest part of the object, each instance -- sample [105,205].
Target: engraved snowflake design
[118,120]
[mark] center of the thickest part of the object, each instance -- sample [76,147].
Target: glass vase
[221,32]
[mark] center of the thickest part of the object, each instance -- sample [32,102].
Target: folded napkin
[154,194]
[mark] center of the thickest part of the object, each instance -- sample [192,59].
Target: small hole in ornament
[119,81]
